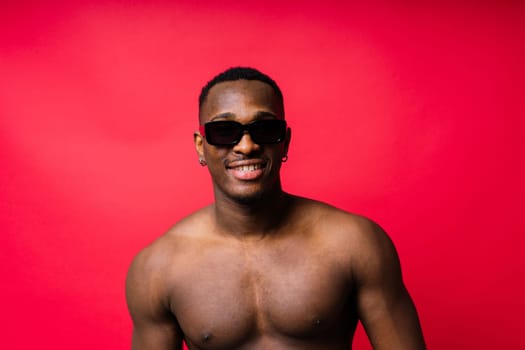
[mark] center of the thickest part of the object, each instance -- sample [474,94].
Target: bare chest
[231,296]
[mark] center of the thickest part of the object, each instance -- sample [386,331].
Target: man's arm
[154,326]
[384,305]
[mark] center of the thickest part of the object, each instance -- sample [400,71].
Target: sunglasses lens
[225,133]
[268,131]
[222,132]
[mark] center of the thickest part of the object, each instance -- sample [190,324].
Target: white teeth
[251,167]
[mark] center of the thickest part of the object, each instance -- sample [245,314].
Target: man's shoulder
[348,228]
[174,242]
[191,226]
[366,246]
[333,218]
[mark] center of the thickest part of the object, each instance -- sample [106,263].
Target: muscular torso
[290,290]
[303,285]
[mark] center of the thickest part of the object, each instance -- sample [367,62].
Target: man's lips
[246,169]
[245,162]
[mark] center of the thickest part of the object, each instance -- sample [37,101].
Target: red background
[410,114]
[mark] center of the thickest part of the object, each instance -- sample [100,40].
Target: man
[260,268]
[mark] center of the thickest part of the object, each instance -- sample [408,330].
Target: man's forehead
[231,94]
[252,88]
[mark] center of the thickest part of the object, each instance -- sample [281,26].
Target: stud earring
[284,159]
[202,162]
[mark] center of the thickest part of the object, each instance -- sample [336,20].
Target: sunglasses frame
[244,128]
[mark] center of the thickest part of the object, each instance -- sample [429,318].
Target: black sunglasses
[229,133]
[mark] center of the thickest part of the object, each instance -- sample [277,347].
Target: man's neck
[255,218]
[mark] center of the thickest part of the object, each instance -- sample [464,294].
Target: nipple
[206,337]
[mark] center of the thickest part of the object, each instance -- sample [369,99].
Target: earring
[284,159]
[202,162]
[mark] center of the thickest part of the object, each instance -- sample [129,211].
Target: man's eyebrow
[261,114]
[258,115]
[222,115]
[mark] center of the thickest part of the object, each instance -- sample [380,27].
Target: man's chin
[247,194]
[248,198]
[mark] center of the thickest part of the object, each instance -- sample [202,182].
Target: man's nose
[246,145]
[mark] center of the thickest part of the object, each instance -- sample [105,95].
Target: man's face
[246,171]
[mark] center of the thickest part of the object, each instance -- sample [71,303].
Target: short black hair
[239,73]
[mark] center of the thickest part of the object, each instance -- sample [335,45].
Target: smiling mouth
[247,171]
[246,168]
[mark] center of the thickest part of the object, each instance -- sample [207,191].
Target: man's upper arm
[154,327]
[384,305]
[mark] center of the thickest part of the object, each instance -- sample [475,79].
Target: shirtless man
[260,268]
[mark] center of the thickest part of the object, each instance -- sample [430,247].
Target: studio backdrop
[410,114]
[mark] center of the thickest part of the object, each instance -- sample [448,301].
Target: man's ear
[198,140]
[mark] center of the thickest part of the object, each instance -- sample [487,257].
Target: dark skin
[262,269]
